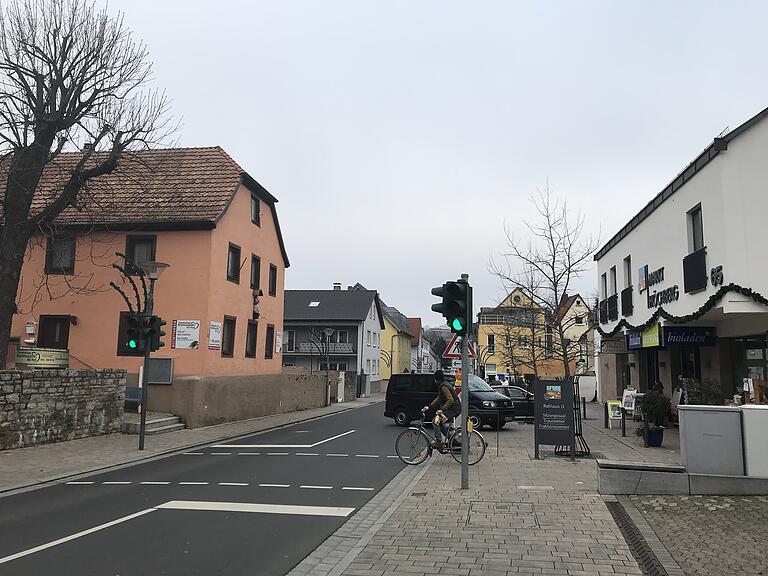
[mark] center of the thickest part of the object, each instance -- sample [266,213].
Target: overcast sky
[378,124]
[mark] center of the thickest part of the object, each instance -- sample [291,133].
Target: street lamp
[328,334]
[151,270]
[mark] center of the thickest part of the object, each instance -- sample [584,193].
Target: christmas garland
[706,307]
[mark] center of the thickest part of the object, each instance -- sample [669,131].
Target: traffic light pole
[465,393]
[144,384]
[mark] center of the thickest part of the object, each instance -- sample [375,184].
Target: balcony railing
[613,307]
[603,312]
[695,271]
[336,348]
[626,301]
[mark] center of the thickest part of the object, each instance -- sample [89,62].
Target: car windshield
[477,384]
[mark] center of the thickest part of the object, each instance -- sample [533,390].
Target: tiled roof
[326,305]
[398,319]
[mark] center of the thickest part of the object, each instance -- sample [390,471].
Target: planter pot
[655,437]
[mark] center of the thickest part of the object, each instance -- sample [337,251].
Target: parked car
[407,394]
[522,400]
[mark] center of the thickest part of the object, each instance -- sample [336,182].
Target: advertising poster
[614,410]
[278,342]
[554,418]
[628,400]
[185,334]
[214,335]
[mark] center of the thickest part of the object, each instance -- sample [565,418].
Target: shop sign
[689,336]
[651,337]
[42,357]
[613,346]
[185,334]
[634,340]
[553,402]
[214,335]
[647,279]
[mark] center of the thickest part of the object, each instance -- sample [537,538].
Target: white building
[682,284]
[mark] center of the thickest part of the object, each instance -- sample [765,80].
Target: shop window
[228,337]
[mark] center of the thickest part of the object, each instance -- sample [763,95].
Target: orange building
[195,209]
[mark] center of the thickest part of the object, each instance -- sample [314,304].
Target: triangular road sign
[453,350]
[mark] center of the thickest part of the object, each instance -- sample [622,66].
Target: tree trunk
[11,261]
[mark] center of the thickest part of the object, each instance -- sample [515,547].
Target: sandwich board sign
[553,415]
[453,350]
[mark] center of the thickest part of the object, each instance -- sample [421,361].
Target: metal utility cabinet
[710,440]
[755,425]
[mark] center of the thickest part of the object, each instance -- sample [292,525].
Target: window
[341,366]
[233,263]
[491,343]
[579,320]
[269,344]
[60,256]
[139,249]
[368,338]
[255,272]
[695,229]
[290,340]
[255,210]
[368,366]
[272,280]
[524,341]
[490,368]
[250,338]
[53,332]
[613,280]
[228,337]
[603,287]
[628,272]
[340,337]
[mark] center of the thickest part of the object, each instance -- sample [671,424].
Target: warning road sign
[453,350]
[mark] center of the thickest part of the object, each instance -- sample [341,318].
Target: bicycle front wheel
[412,446]
[476,446]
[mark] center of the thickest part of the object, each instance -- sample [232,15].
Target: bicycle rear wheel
[476,446]
[412,446]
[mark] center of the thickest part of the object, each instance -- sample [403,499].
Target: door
[53,332]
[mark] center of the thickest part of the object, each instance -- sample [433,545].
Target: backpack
[456,401]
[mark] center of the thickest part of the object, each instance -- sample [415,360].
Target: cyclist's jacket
[450,402]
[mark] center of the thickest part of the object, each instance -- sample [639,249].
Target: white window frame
[368,338]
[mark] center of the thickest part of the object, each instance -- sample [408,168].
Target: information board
[553,422]
[42,357]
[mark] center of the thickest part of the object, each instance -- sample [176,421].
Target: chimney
[87,146]
[337,285]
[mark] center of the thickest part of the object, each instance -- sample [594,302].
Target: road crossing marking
[316,487]
[283,445]
[258,508]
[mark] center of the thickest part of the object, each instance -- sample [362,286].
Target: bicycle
[414,445]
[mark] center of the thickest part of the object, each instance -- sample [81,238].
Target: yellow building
[395,343]
[515,339]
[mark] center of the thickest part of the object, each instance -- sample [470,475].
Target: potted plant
[655,407]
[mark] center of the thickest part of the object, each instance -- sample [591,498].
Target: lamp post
[328,334]
[151,270]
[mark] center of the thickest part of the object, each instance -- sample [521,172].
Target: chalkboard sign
[553,422]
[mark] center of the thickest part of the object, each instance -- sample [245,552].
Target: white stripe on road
[259,508]
[277,453]
[79,483]
[282,445]
[233,483]
[248,453]
[74,536]
[356,488]
[193,483]
[220,453]
[337,454]
[275,485]
[317,487]
[307,454]
[194,453]
[116,483]
[393,456]
[366,455]
[152,483]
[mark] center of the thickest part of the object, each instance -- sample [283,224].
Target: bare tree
[557,253]
[70,75]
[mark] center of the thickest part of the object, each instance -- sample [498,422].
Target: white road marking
[79,483]
[307,454]
[220,453]
[74,536]
[155,483]
[259,508]
[316,487]
[193,483]
[194,453]
[356,488]
[337,454]
[275,485]
[233,483]
[367,455]
[535,488]
[283,445]
[248,453]
[393,456]
[277,453]
[116,483]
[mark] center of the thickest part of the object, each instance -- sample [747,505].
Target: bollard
[606,414]
[645,431]
[583,408]
[623,422]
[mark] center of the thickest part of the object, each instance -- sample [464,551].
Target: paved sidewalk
[30,466]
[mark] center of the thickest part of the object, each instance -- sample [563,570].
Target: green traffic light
[456,324]
[132,344]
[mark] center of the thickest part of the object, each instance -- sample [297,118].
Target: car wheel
[476,422]
[401,417]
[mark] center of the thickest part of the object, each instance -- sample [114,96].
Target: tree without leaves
[557,253]
[69,74]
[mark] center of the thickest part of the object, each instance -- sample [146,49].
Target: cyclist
[448,405]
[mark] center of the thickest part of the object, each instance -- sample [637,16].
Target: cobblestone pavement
[711,535]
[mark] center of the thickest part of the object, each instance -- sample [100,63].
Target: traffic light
[156,333]
[455,306]
[133,341]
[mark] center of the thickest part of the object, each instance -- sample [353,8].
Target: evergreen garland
[706,307]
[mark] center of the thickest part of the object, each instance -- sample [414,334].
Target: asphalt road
[256,505]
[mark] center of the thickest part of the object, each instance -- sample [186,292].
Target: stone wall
[44,406]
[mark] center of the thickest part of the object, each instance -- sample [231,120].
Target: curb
[4,492]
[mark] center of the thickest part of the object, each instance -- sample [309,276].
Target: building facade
[395,343]
[192,208]
[682,285]
[422,357]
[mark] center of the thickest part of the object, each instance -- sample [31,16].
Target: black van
[407,394]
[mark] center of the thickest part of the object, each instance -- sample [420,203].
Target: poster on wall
[278,342]
[185,334]
[214,335]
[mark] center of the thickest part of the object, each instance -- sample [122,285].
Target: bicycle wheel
[412,446]
[476,446]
